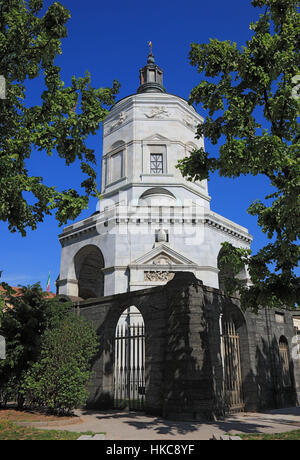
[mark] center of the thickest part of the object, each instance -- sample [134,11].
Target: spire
[151,76]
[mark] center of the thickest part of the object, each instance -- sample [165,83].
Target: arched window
[129,361]
[89,264]
[157,196]
[114,163]
[285,361]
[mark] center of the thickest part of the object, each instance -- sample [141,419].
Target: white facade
[152,222]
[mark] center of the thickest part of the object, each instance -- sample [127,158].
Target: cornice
[110,218]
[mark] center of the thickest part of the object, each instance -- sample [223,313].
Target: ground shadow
[243,422]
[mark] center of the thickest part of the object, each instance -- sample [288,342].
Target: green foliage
[283,436]
[13,432]
[25,320]
[2,302]
[67,115]
[58,380]
[231,262]
[246,83]
[48,354]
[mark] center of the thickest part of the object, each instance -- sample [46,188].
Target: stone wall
[184,370]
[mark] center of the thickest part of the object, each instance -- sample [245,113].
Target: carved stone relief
[158,112]
[190,123]
[116,123]
[158,276]
[162,260]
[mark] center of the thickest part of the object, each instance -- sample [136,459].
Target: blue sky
[109,39]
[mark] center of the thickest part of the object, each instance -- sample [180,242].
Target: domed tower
[145,135]
[152,222]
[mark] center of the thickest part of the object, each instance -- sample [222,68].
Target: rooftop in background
[18,292]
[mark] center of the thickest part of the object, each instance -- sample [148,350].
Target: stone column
[188,389]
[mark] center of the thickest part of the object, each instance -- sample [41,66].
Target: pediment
[162,255]
[156,137]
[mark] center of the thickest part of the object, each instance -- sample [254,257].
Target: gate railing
[285,364]
[129,371]
[232,367]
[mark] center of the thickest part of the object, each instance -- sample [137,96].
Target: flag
[48,283]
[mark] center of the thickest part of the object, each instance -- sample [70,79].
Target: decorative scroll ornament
[158,276]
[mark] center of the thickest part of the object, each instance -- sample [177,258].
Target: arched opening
[89,264]
[129,361]
[284,362]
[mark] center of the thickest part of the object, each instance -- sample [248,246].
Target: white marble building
[152,222]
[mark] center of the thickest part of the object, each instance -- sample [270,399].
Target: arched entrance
[89,264]
[129,361]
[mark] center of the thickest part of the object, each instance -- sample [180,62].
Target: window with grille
[156,163]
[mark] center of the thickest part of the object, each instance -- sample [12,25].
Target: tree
[29,44]
[2,302]
[58,380]
[243,85]
[25,320]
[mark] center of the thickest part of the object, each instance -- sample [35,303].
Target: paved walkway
[137,426]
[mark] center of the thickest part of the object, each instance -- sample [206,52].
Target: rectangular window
[116,166]
[156,163]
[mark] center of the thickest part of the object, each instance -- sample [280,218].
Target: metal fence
[129,370]
[232,367]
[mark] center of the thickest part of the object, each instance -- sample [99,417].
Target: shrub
[23,325]
[57,382]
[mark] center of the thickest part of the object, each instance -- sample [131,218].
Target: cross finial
[150,55]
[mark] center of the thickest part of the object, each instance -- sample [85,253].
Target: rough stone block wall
[188,383]
[184,371]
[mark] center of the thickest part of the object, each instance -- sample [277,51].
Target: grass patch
[11,431]
[13,415]
[287,436]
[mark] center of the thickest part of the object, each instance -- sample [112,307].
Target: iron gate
[129,371]
[232,367]
[285,362]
